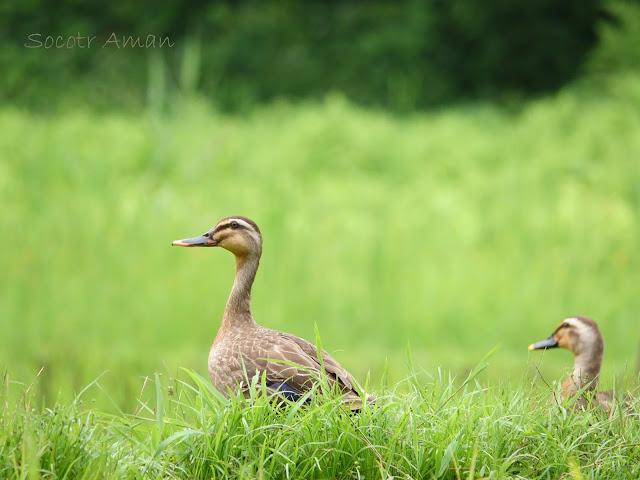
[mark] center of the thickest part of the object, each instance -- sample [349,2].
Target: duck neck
[586,372]
[239,302]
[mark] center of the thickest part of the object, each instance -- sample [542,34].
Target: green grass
[434,429]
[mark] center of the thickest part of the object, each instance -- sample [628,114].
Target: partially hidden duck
[582,337]
[242,348]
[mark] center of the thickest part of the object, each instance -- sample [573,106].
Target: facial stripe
[580,323]
[242,223]
[221,228]
[247,222]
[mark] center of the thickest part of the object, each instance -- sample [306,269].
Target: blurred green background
[442,175]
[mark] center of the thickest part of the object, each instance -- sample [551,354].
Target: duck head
[582,337]
[578,334]
[240,235]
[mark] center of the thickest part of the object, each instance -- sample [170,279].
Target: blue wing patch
[286,391]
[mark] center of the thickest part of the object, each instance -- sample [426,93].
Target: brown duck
[242,348]
[582,337]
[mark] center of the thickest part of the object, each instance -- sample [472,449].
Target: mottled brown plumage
[290,364]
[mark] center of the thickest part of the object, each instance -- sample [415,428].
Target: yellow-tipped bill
[546,343]
[201,241]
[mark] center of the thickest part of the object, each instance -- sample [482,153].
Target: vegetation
[412,54]
[437,430]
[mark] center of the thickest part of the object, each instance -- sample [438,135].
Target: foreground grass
[453,231]
[433,429]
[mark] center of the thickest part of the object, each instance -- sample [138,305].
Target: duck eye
[234,224]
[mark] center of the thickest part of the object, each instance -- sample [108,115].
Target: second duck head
[582,337]
[579,334]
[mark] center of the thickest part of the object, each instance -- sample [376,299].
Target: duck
[243,349]
[580,334]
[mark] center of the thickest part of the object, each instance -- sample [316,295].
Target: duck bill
[546,343]
[201,241]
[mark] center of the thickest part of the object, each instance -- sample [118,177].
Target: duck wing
[332,368]
[292,366]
